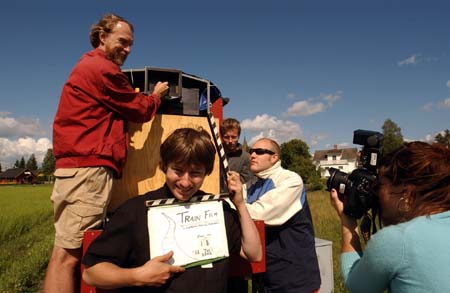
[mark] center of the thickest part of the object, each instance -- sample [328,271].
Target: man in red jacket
[90,140]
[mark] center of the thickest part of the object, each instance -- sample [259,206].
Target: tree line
[295,155]
[393,137]
[47,166]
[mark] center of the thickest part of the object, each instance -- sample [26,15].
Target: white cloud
[341,145]
[272,127]
[291,96]
[416,59]
[448,83]
[14,128]
[316,139]
[12,150]
[429,138]
[21,137]
[445,103]
[428,107]
[413,59]
[312,106]
[305,108]
[331,98]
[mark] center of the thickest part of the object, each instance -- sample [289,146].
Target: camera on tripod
[357,190]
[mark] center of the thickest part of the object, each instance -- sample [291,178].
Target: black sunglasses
[260,152]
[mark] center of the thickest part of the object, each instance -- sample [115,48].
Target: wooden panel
[141,173]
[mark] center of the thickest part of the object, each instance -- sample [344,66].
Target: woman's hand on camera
[338,205]
[349,226]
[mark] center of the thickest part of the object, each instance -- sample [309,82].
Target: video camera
[357,190]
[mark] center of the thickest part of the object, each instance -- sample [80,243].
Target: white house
[343,159]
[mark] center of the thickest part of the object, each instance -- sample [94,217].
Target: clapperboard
[194,230]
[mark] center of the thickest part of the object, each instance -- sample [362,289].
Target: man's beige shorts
[80,198]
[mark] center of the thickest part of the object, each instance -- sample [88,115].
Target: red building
[18,176]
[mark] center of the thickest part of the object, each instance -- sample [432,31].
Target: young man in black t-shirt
[120,256]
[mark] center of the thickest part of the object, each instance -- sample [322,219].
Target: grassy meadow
[26,235]
[328,226]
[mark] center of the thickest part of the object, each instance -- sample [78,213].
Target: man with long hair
[90,139]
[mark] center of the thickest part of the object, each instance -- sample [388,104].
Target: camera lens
[338,180]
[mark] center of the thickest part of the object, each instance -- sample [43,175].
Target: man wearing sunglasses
[279,198]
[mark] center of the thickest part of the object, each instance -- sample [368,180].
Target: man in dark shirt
[238,158]
[120,256]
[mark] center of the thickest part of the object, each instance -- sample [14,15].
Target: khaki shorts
[80,197]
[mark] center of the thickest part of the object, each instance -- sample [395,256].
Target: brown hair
[106,24]
[188,146]
[228,124]
[425,167]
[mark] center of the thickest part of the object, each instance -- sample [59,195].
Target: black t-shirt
[125,242]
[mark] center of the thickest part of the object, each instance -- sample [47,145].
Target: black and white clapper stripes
[218,142]
[194,199]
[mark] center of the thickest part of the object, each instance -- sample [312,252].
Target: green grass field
[328,226]
[26,235]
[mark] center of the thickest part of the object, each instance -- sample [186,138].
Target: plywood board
[141,173]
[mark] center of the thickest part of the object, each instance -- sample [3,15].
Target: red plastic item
[240,267]
[217,110]
[89,236]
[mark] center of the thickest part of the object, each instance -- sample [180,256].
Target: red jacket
[90,126]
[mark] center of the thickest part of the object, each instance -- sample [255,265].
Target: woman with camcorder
[411,253]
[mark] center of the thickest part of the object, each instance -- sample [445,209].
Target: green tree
[0,168]
[32,163]
[48,164]
[22,163]
[291,149]
[443,138]
[295,156]
[393,137]
[16,164]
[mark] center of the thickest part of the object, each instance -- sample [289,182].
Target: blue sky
[314,70]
